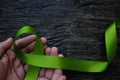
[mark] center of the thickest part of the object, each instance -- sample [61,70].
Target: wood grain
[76,27]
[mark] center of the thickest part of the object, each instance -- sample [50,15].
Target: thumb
[5,45]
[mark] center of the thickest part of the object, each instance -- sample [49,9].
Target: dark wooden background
[76,27]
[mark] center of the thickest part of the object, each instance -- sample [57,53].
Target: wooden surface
[76,27]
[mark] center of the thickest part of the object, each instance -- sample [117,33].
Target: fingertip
[39,78]
[62,78]
[56,76]
[58,71]
[47,51]
[32,36]
[61,55]
[49,73]
[55,48]
[9,40]
[42,72]
[44,40]
[54,51]
[22,42]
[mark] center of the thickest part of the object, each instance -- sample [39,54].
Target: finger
[62,78]
[49,72]
[25,41]
[59,71]
[54,51]
[55,76]
[25,67]
[5,45]
[44,40]
[11,55]
[20,71]
[60,55]
[43,71]
[17,62]
[30,47]
[5,61]
[18,66]
[47,51]
[42,78]
[45,47]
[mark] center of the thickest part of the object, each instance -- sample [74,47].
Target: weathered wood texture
[76,27]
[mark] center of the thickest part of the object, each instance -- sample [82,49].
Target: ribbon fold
[38,60]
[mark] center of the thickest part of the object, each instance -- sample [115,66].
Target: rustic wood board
[76,27]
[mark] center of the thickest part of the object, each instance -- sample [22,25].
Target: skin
[11,68]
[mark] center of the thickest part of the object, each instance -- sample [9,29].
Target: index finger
[25,41]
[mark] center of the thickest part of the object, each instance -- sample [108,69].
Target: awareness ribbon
[38,60]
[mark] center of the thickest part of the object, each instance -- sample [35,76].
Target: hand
[46,74]
[52,74]
[10,66]
[12,69]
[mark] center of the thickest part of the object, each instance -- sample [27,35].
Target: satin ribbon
[38,60]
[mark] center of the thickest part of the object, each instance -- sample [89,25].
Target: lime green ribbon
[38,60]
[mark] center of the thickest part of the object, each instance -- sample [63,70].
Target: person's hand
[52,74]
[47,74]
[10,66]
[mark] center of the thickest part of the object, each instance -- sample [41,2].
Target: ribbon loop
[37,48]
